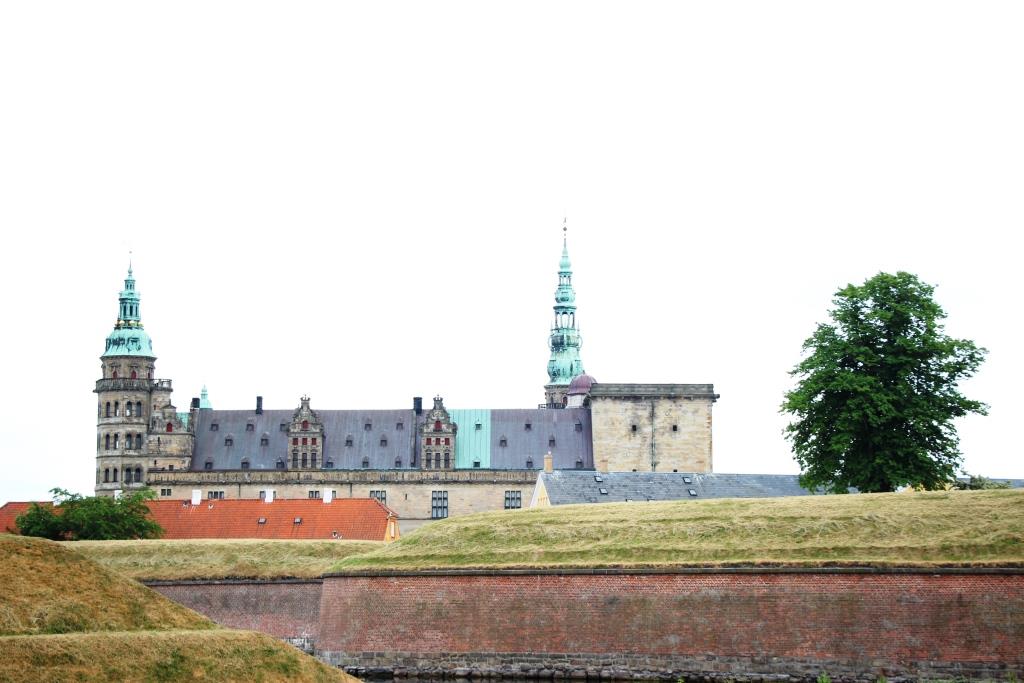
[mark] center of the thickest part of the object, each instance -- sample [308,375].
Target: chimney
[270,496]
[549,462]
[417,405]
[259,405]
[197,496]
[195,403]
[328,495]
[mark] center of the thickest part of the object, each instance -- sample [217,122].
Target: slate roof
[569,487]
[522,443]
[352,518]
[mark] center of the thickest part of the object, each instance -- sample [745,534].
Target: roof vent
[603,491]
[598,479]
[335,534]
[298,520]
[693,492]
[262,520]
[687,480]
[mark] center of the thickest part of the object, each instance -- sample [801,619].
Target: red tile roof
[346,518]
[9,512]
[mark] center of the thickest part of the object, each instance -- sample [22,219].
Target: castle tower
[565,340]
[125,398]
[137,427]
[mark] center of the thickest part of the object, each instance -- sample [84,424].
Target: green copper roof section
[565,340]
[128,337]
[204,400]
[472,443]
[184,418]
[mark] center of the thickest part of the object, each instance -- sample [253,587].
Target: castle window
[283,427]
[115,474]
[106,442]
[264,440]
[115,374]
[383,441]
[106,475]
[313,494]
[675,428]
[135,375]
[117,439]
[138,474]
[305,441]
[295,441]
[305,425]
[399,426]
[367,426]
[503,442]
[447,441]
[476,463]
[214,426]
[117,408]
[579,426]
[437,425]
[438,504]
[551,442]
[250,427]
[579,463]
[138,440]
[513,500]
[295,460]
[170,428]
[529,463]
[380,496]
[329,464]
[228,441]
[313,441]
[366,463]
[165,492]
[108,409]
[138,408]
[245,464]
[128,409]
[447,461]
[305,459]
[633,428]
[398,462]
[280,464]
[208,465]
[312,460]
[529,427]
[348,440]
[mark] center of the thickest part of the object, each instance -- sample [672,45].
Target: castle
[423,462]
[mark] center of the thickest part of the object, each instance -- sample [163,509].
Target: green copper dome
[128,337]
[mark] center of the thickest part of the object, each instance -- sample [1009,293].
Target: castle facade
[424,462]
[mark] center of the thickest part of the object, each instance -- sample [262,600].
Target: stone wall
[701,623]
[630,432]
[286,609]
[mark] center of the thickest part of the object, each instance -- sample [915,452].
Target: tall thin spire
[565,340]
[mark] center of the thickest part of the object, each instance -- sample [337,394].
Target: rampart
[762,623]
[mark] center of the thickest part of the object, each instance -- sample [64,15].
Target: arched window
[128,408]
[329,464]
[447,461]
[106,475]
[108,410]
[295,460]
[138,474]
[135,375]
[138,408]
[106,442]
[437,425]
[117,408]
[115,474]
[312,460]
[138,440]
[117,439]
[170,428]
[305,459]
[115,377]
[437,461]
[305,425]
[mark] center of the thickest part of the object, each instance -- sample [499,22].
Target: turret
[565,340]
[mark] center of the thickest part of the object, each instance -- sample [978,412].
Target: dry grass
[912,529]
[220,559]
[46,588]
[219,655]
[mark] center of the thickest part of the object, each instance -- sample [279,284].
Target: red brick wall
[864,620]
[284,609]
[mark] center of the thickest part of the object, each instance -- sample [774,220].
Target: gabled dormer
[437,438]
[305,438]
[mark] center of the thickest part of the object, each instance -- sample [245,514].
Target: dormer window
[479,426]
[208,465]
[348,441]
[503,442]
[245,464]
[529,427]
[264,440]
[383,442]
[398,462]
[214,426]
[229,441]
[551,442]
[367,426]
[283,427]
[579,463]
[329,464]
[529,463]
[280,464]
[366,463]
[579,426]
[399,426]
[250,427]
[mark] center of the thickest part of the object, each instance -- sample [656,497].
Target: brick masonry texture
[289,610]
[851,624]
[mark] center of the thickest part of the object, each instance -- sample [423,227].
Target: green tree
[976,482]
[99,518]
[877,391]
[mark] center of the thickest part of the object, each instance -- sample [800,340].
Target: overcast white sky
[363,201]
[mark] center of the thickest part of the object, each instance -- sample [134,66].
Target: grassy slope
[218,559]
[45,588]
[935,528]
[219,655]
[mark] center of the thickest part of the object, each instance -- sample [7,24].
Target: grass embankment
[220,559]
[947,528]
[219,655]
[65,618]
